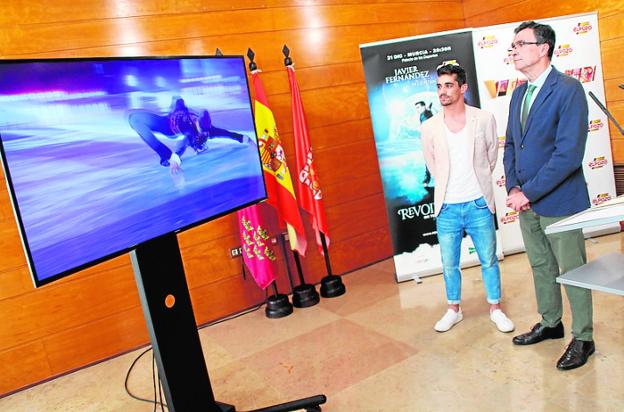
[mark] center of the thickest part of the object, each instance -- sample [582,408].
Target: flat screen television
[103,154]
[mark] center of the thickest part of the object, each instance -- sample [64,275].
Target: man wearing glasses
[460,147]
[546,136]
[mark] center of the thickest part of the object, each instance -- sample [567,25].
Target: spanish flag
[280,191]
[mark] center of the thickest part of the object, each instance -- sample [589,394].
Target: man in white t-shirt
[460,149]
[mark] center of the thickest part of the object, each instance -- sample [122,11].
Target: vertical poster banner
[402,93]
[577,53]
[498,79]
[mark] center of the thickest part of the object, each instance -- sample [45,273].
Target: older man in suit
[460,149]
[546,136]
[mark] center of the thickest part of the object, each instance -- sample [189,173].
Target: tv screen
[103,154]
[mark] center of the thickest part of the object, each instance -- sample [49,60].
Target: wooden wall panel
[65,305]
[209,305]
[479,13]
[11,246]
[73,348]
[617,147]
[14,282]
[617,110]
[612,89]
[610,25]
[96,313]
[38,11]
[131,30]
[23,365]
[612,51]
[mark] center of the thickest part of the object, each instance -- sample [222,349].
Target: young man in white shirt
[460,146]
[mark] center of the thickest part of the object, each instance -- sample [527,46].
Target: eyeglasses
[521,43]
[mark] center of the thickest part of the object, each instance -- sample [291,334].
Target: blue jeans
[476,219]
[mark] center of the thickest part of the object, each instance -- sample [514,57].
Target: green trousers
[549,256]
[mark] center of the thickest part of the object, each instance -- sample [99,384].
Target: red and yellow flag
[258,255]
[276,174]
[308,186]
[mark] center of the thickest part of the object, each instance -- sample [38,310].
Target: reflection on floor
[374,349]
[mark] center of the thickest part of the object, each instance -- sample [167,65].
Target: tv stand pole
[167,308]
[166,302]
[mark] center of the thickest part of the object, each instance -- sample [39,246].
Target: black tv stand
[166,302]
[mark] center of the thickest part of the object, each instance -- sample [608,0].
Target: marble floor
[374,349]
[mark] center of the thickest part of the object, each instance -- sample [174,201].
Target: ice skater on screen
[180,121]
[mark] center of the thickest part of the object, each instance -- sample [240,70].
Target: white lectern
[606,273]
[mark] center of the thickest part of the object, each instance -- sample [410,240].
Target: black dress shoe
[576,354]
[539,333]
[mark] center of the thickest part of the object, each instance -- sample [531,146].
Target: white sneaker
[503,323]
[449,319]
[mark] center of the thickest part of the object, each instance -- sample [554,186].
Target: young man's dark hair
[544,34]
[451,69]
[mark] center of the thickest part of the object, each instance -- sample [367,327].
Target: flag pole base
[278,306]
[332,286]
[305,295]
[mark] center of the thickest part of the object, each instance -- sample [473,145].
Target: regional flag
[280,191]
[308,186]
[258,255]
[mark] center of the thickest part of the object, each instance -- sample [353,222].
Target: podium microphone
[604,109]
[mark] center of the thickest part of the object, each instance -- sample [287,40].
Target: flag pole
[282,242]
[312,403]
[288,271]
[304,295]
[331,285]
[277,305]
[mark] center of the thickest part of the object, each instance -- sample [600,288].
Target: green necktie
[526,105]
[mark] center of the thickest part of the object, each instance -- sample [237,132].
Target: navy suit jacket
[546,160]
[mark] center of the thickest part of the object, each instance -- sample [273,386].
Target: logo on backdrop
[425,211]
[487,42]
[500,88]
[510,217]
[500,182]
[407,73]
[582,28]
[563,50]
[583,74]
[598,162]
[595,125]
[601,198]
